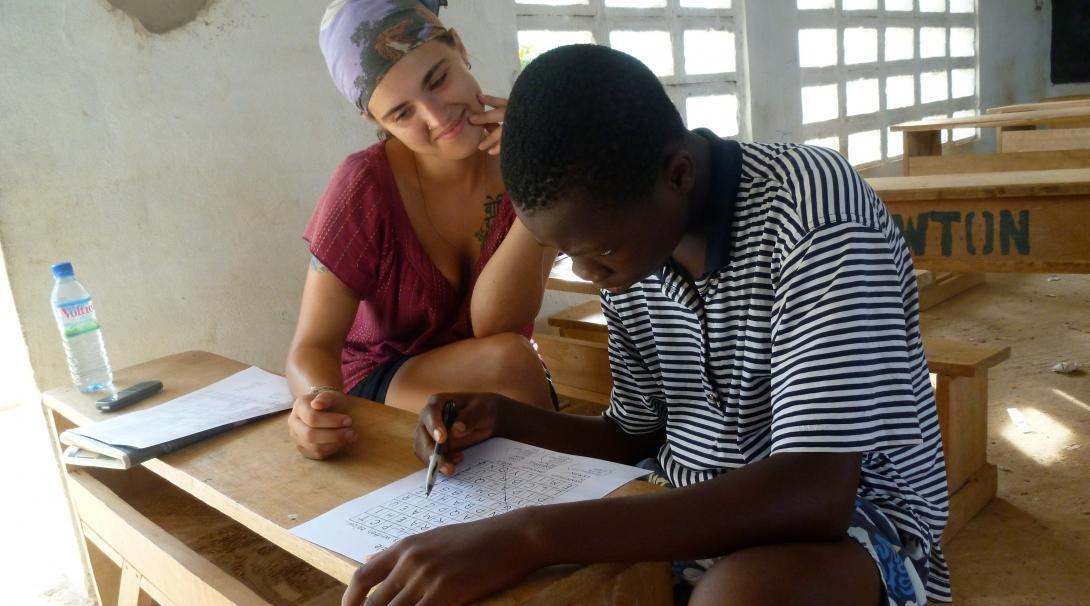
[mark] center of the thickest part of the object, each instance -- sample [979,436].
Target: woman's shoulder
[363,180]
[360,195]
[369,164]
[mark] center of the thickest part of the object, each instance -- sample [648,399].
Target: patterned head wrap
[362,39]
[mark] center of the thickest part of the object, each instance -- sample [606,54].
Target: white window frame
[841,73]
[594,16]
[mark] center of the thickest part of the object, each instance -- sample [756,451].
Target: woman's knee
[509,355]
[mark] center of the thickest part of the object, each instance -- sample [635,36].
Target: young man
[765,348]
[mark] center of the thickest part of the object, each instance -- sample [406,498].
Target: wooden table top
[254,474]
[1077,114]
[1030,183]
[1025,107]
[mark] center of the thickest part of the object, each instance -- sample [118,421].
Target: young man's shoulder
[794,161]
[816,184]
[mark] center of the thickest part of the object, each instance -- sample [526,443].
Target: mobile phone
[127,396]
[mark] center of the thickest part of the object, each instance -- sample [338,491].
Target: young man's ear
[680,169]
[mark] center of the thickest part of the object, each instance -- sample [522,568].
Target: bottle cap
[62,270]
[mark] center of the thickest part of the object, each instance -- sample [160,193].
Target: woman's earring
[468,66]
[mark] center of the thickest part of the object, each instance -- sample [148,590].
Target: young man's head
[593,157]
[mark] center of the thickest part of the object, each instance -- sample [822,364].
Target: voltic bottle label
[77,317]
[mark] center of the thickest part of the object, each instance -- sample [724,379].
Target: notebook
[132,438]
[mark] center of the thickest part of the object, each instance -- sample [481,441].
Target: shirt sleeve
[350,226]
[636,404]
[841,372]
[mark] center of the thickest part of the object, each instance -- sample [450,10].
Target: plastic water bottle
[80,332]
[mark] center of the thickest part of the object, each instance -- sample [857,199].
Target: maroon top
[361,232]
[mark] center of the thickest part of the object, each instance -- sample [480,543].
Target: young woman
[421,277]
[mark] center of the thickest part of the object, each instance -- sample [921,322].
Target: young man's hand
[476,418]
[316,429]
[448,566]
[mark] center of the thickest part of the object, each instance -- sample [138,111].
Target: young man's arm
[790,497]
[795,496]
[786,497]
[483,415]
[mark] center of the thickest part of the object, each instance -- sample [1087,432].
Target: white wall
[177,170]
[1014,42]
[772,70]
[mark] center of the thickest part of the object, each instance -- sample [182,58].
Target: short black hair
[585,120]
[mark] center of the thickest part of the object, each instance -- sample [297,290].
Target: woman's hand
[476,419]
[492,120]
[318,431]
[449,566]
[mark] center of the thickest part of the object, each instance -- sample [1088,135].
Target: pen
[433,461]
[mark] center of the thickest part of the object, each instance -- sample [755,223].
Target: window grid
[723,89]
[871,128]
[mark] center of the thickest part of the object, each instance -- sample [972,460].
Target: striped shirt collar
[726,171]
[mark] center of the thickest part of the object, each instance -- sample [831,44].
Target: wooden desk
[1017,131]
[210,524]
[1031,221]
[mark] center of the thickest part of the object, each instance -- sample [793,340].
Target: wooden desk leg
[921,143]
[105,575]
[963,420]
[965,437]
[129,593]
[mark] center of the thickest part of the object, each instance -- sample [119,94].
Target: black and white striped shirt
[802,336]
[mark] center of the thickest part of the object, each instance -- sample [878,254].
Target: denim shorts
[375,385]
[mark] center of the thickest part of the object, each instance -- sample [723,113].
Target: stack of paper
[135,437]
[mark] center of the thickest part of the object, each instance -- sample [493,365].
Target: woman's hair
[362,39]
[585,120]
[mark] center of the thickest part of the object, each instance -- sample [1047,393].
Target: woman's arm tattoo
[317,266]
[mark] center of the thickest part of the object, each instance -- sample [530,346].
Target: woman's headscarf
[362,39]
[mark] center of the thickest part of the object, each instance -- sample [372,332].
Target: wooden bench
[579,363]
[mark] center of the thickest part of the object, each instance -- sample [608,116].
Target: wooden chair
[580,366]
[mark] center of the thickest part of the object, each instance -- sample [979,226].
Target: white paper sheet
[496,476]
[242,396]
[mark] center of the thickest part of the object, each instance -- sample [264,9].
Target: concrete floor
[1029,546]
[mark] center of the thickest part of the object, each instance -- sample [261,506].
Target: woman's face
[425,101]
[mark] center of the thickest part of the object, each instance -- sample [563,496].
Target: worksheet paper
[496,476]
[240,397]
